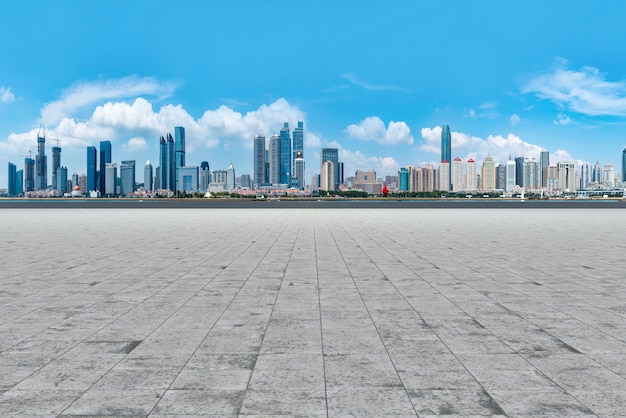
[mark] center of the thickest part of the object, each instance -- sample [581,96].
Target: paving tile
[297,312]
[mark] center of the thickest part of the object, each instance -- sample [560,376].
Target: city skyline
[380,98]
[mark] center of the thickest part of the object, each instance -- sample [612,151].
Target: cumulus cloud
[85,94]
[138,119]
[136,144]
[514,119]
[373,129]
[466,146]
[354,160]
[6,95]
[584,91]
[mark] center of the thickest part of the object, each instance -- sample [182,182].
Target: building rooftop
[330,312]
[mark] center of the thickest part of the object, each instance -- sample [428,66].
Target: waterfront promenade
[312,311]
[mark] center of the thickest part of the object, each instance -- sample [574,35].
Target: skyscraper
[62,179]
[41,164]
[29,174]
[567,176]
[585,174]
[488,174]
[148,177]
[171,163]
[544,161]
[444,176]
[110,174]
[471,179]
[230,177]
[403,179]
[298,164]
[510,175]
[105,158]
[274,154]
[56,163]
[608,174]
[19,182]
[285,155]
[446,149]
[127,177]
[519,171]
[179,135]
[332,154]
[532,174]
[92,169]
[12,180]
[500,177]
[259,160]
[327,176]
[298,144]
[205,175]
[624,165]
[457,173]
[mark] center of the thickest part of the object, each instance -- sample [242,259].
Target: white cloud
[138,119]
[6,95]
[514,119]
[584,91]
[373,129]
[85,94]
[136,144]
[466,146]
[354,160]
[562,119]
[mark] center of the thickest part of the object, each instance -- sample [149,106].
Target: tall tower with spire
[446,148]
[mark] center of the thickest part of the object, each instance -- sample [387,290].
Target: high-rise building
[56,163]
[340,173]
[41,164]
[544,161]
[585,174]
[19,182]
[205,176]
[597,173]
[532,174]
[327,176]
[552,181]
[500,177]
[457,173]
[127,177]
[444,176]
[403,179]
[332,154]
[274,154]
[105,158]
[624,165]
[285,155]
[82,183]
[567,176]
[608,174]
[92,169]
[230,177]
[179,135]
[110,174]
[488,174]
[62,180]
[12,180]
[148,177]
[171,163]
[471,179]
[245,181]
[298,164]
[446,149]
[510,175]
[298,145]
[519,171]
[259,160]
[29,174]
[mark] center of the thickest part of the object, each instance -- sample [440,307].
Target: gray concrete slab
[218,311]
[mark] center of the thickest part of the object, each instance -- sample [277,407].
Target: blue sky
[376,79]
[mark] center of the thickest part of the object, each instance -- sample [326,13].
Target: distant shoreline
[388,203]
